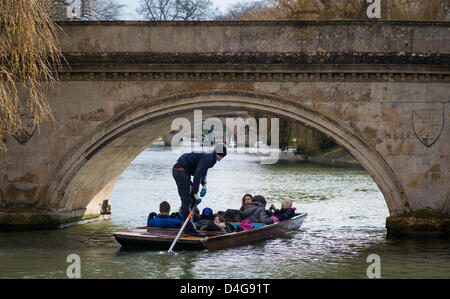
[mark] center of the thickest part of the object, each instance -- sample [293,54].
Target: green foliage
[306,140]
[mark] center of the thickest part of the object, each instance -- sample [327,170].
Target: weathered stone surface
[422,222]
[24,217]
[358,82]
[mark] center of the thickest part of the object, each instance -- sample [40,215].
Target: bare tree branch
[172,10]
[101,10]
[336,10]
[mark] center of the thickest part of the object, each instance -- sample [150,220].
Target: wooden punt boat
[162,238]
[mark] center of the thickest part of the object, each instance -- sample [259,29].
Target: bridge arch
[89,171]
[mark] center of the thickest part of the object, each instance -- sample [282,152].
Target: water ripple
[346,223]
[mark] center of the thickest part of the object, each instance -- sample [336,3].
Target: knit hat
[207,212]
[286,204]
[259,198]
[220,149]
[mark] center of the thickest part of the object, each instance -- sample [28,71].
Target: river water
[345,224]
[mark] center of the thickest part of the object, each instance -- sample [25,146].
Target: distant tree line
[175,10]
[196,10]
[431,10]
[307,141]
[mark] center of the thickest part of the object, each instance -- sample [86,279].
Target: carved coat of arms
[428,125]
[28,130]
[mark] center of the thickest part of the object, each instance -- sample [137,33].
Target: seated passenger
[206,218]
[163,220]
[232,215]
[196,216]
[247,199]
[218,224]
[256,211]
[223,226]
[286,212]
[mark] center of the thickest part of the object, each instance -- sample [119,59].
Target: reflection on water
[346,223]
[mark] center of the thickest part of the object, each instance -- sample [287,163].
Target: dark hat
[259,198]
[207,212]
[220,149]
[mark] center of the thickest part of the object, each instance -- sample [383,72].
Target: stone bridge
[379,89]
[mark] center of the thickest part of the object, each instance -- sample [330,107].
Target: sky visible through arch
[131,5]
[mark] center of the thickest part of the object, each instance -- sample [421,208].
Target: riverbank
[336,157]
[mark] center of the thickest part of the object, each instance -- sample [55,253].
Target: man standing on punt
[194,164]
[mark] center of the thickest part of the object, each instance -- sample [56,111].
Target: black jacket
[284,214]
[197,164]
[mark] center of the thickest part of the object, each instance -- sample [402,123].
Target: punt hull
[161,239]
[254,235]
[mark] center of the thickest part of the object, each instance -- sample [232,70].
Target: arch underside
[88,172]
